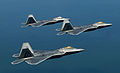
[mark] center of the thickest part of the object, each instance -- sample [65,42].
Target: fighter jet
[34,57]
[67,27]
[31,21]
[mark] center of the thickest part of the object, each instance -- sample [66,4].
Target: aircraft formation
[34,57]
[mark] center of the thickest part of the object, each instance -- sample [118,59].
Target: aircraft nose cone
[80,49]
[109,24]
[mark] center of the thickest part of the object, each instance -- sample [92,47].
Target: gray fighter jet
[34,57]
[31,21]
[76,30]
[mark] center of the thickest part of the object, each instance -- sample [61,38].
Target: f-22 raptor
[34,57]
[67,27]
[31,21]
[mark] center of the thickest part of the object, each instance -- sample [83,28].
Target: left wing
[38,59]
[76,31]
[80,29]
[43,22]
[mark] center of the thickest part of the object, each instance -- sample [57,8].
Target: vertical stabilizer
[66,25]
[30,19]
[26,51]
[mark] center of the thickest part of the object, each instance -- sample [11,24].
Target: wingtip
[57,34]
[58,29]
[12,63]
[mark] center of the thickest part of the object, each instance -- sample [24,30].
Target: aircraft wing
[38,59]
[76,31]
[42,23]
[80,29]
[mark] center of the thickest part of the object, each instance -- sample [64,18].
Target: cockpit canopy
[68,47]
[59,17]
[100,22]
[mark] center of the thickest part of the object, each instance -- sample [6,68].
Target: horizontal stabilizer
[17,61]
[24,26]
[38,59]
[16,55]
[58,29]
[61,33]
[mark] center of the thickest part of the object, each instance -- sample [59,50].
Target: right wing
[40,23]
[77,31]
